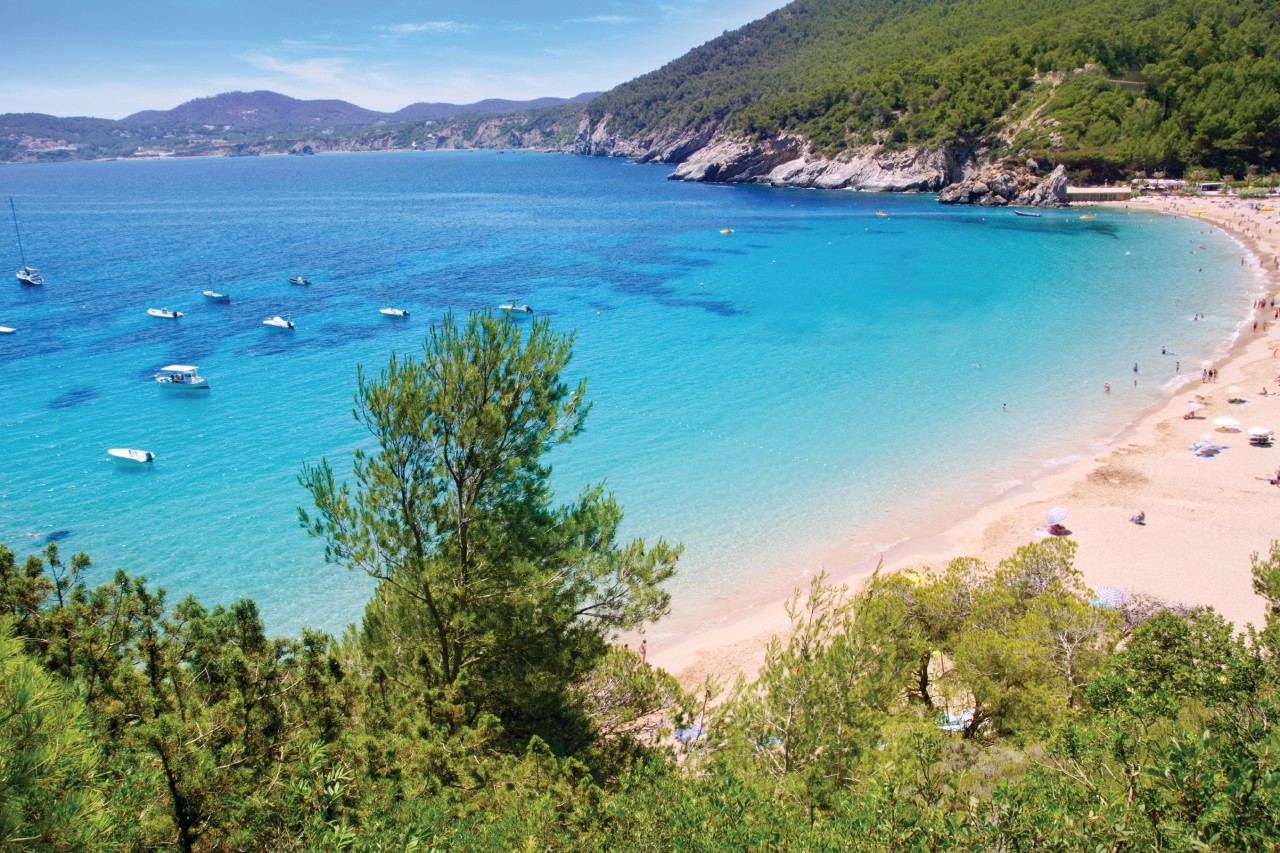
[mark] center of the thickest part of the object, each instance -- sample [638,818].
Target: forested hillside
[481,705]
[1148,85]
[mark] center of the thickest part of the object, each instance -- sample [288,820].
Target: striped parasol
[1111,596]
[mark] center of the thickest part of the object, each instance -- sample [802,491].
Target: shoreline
[1205,516]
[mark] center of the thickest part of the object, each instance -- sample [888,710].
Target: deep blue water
[820,381]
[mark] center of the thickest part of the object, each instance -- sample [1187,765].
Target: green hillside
[1108,84]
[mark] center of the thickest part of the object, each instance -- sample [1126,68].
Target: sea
[785,381]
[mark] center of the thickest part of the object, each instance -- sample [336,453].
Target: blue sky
[110,59]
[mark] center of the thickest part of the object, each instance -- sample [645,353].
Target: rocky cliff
[960,175]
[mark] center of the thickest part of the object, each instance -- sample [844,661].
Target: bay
[782,379]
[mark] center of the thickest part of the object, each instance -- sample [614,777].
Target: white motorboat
[27,274]
[214,296]
[278,322]
[297,279]
[5,330]
[393,312]
[1026,213]
[181,376]
[164,313]
[128,454]
[513,307]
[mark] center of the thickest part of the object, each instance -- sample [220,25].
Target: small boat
[214,296]
[1026,213]
[5,330]
[27,274]
[393,312]
[881,213]
[297,279]
[726,230]
[128,454]
[181,376]
[1088,215]
[513,307]
[164,313]
[278,322]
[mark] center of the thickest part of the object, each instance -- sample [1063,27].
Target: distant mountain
[491,106]
[233,123]
[263,110]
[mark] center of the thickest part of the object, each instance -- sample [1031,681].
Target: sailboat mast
[21,253]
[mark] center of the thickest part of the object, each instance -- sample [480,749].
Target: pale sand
[1205,517]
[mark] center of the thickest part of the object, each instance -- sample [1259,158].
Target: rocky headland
[959,175]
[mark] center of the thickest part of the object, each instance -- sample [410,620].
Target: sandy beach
[1205,514]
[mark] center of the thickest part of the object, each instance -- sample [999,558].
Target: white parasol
[1195,407]
[1259,431]
[1056,515]
[1227,423]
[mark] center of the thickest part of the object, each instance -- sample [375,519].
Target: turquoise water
[818,383]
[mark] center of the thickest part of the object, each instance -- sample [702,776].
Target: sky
[111,58]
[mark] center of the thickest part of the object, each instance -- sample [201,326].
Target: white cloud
[427,27]
[604,19]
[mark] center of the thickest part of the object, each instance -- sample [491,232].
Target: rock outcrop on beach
[997,186]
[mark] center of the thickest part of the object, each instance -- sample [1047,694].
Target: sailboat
[27,275]
[213,295]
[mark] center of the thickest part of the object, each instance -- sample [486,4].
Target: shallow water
[821,375]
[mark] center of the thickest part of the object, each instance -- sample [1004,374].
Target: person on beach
[1135,367]
[1140,518]
[1106,387]
[644,651]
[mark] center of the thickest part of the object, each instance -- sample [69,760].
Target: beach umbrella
[1259,431]
[1227,423]
[1111,596]
[1056,515]
[1234,389]
[1195,407]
